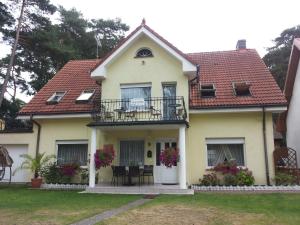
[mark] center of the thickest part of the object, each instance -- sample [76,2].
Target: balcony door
[169,95]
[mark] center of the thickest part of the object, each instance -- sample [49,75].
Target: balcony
[139,111]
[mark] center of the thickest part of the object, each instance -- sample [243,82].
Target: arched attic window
[143,53]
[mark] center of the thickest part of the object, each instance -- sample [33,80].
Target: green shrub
[230,179]
[209,180]
[63,174]
[245,177]
[285,179]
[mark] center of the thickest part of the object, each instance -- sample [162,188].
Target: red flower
[69,170]
[104,157]
[169,157]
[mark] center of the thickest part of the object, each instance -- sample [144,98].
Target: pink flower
[169,157]
[104,157]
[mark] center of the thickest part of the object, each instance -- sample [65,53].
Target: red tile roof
[218,68]
[73,78]
[224,68]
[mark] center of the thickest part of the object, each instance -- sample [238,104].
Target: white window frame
[92,91]
[72,142]
[50,100]
[225,141]
[138,85]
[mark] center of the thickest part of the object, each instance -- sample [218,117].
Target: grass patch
[20,205]
[215,209]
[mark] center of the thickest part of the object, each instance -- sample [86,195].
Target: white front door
[163,174]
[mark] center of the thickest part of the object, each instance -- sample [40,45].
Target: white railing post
[182,155]
[92,171]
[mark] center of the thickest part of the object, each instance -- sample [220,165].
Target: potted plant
[169,157]
[104,157]
[35,165]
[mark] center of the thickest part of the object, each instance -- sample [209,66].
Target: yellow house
[146,96]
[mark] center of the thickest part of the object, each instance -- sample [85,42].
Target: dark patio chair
[134,171]
[147,172]
[118,171]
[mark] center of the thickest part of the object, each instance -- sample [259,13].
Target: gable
[100,71]
[161,68]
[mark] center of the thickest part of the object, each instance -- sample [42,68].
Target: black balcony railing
[139,111]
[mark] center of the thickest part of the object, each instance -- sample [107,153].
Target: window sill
[211,167]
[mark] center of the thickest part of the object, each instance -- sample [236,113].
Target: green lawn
[215,209]
[20,205]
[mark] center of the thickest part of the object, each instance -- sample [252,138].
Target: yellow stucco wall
[162,68]
[229,125]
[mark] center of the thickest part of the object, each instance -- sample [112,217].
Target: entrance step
[137,190]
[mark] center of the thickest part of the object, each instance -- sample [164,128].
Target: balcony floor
[154,189]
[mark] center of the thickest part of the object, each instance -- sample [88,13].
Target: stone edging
[199,188]
[64,186]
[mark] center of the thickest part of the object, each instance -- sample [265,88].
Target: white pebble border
[199,188]
[64,186]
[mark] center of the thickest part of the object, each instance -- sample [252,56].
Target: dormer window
[85,96]
[143,53]
[207,91]
[56,97]
[241,89]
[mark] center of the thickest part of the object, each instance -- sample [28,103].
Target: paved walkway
[108,214]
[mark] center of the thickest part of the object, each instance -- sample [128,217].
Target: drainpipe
[38,136]
[265,146]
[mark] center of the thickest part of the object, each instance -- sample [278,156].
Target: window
[241,89]
[72,152]
[222,150]
[132,153]
[208,91]
[56,97]
[85,96]
[136,97]
[143,53]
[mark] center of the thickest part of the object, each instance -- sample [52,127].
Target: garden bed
[64,186]
[254,188]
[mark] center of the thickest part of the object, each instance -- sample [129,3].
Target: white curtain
[135,93]
[218,153]
[132,153]
[72,153]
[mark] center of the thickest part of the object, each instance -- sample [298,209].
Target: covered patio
[138,147]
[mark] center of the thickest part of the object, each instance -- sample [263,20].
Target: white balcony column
[182,159]
[92,171]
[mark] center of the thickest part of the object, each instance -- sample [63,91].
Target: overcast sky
[197,26]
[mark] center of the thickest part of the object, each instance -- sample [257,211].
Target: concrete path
[108,214]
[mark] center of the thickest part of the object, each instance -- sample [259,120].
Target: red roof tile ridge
[222,51]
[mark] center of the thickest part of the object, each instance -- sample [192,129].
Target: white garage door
[15,151]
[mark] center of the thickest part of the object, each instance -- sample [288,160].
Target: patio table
[129,176]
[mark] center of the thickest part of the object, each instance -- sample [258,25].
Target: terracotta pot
[36,182]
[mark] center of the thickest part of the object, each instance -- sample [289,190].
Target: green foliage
[285,179]
[36,164]
[46,49]
[210,179]
[230,179]
[245,177]
[9,109]
[277,58]
[59,174]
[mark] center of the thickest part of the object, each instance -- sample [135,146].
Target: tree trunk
[13,53]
